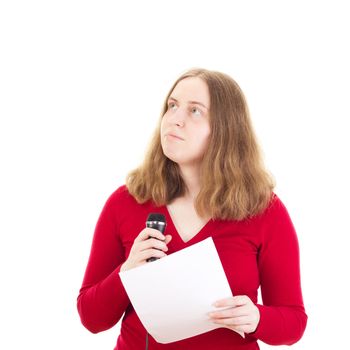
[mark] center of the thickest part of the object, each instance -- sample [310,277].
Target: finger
[237,321]
[168,238]
[151,253]
[152,243]
[149,232]
[230,312]
[244,328]
[232,301]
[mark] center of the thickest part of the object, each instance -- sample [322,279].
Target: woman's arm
[102,299]
[282,315]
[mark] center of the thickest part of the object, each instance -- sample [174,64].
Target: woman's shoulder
[276,204]
[276,217]
[121,205]
[120,196]
[273,210]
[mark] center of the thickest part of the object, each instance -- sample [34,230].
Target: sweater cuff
[260,329]
[279,325]
[119,281]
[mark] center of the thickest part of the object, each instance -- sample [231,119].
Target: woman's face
[185,126]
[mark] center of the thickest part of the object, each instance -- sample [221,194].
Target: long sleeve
[102,299]
[282,317]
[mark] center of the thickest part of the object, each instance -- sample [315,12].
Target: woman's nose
[178,117]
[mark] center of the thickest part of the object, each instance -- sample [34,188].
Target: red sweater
[262,251]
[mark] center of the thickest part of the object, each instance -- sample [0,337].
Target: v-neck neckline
[172,224]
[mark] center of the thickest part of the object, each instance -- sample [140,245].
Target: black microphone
[156,221]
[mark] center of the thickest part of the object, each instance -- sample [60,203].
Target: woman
[204,172]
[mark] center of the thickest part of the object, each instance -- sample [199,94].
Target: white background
[81,88]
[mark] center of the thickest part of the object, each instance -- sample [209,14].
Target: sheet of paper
[173,295]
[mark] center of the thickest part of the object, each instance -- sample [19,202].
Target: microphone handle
[157,225]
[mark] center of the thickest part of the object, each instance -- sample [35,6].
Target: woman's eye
[196,111]
[171,105]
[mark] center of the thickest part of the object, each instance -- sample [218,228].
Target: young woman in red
[204,172]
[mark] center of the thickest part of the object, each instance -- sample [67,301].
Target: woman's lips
[175,137]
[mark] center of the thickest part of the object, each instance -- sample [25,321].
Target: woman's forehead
[191,89]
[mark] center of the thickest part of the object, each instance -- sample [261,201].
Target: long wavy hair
[234,184]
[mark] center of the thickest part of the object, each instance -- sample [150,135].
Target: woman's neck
[190,175]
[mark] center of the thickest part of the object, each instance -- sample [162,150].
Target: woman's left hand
[241,314]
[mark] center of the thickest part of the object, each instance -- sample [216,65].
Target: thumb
[168,238]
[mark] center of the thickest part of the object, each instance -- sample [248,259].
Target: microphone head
[156,217]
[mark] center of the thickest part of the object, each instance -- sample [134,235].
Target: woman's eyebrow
[190,102]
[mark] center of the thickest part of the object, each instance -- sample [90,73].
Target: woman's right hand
[149,243]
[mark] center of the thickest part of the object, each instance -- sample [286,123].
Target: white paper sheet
[173,295]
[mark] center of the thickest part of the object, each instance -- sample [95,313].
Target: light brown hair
[234,184]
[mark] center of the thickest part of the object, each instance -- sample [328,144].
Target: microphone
[156,221]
